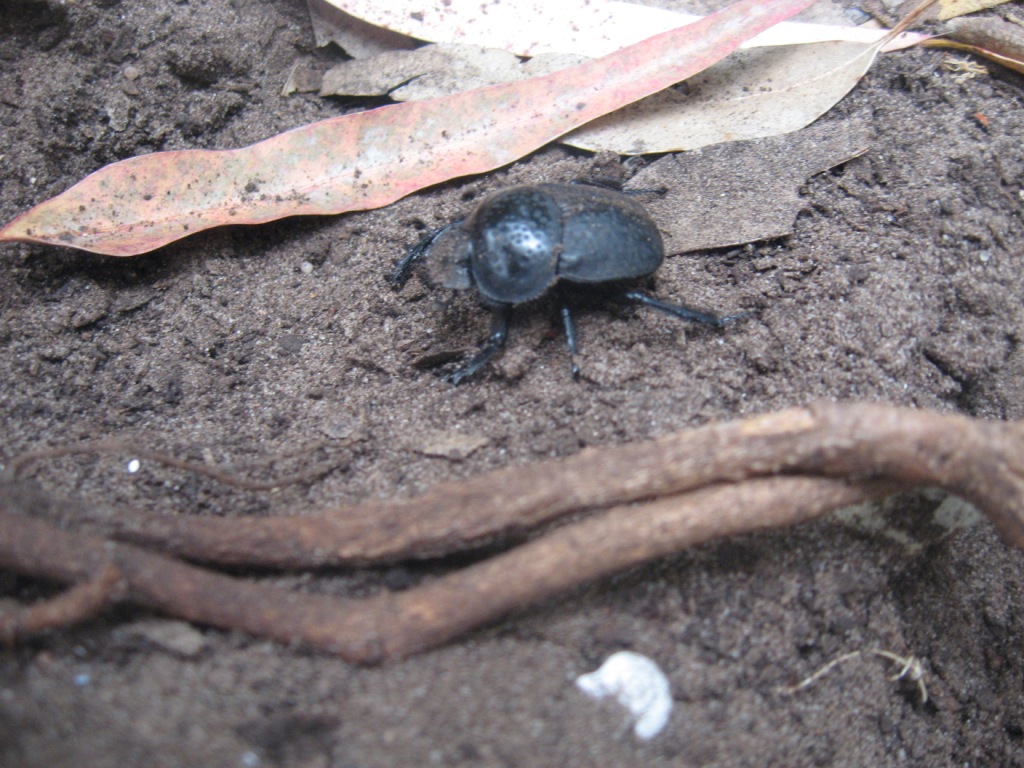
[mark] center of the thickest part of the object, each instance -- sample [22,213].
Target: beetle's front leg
[500,317]
[400,274]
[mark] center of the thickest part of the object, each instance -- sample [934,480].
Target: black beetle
[521,241]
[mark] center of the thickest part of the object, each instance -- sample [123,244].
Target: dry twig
[972,458]
[658,497]
[911,669]
[85,600]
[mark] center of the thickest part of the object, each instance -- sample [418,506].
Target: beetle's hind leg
[681,310]
[500,317]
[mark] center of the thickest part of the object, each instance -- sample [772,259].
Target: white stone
[638,684]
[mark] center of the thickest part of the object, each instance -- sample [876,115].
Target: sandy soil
[900,283]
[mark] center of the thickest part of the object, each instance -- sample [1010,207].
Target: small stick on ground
[657,498]
[391,626]
[981,461]
[912,670]
[79,603]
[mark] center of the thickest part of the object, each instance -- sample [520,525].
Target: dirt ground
[280,346]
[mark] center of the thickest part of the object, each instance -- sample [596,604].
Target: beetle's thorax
[516,238]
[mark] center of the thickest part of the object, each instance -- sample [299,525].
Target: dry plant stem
[911,669]
[81,602]
[394,625]
[610,542]
[978,460]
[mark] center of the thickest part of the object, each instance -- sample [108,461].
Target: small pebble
[638,684]
[175,637]
[451,445]
[291,342]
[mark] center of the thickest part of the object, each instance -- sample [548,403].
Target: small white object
[133,466]
[638,684]
[306,267]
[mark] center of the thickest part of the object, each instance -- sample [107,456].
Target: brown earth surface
[900,283]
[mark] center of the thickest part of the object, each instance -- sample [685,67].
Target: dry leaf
[753,93]
[437,83]
[302,79]
[373,158]
[380,74]
[759,92]
[744,191]
[994,39]
[358,38]
[586,27]
[436,70]
[950,9]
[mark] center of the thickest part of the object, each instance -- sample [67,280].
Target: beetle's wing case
[517,236]
[607,235]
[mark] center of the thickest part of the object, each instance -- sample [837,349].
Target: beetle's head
[447,261]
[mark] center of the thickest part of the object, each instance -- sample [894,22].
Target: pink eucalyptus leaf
[373,158]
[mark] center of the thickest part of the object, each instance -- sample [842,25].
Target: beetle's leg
[570,333]
[401,271]
[604,182]
[500,317]
[681,310]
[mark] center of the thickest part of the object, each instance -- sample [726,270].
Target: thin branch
[690,488]
[978,460]
[389,625]
[82,602]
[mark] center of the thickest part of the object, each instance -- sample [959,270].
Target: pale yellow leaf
[360,39]
[752,94]
[436,70]
[950,9]
[586,27]
[991,38]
